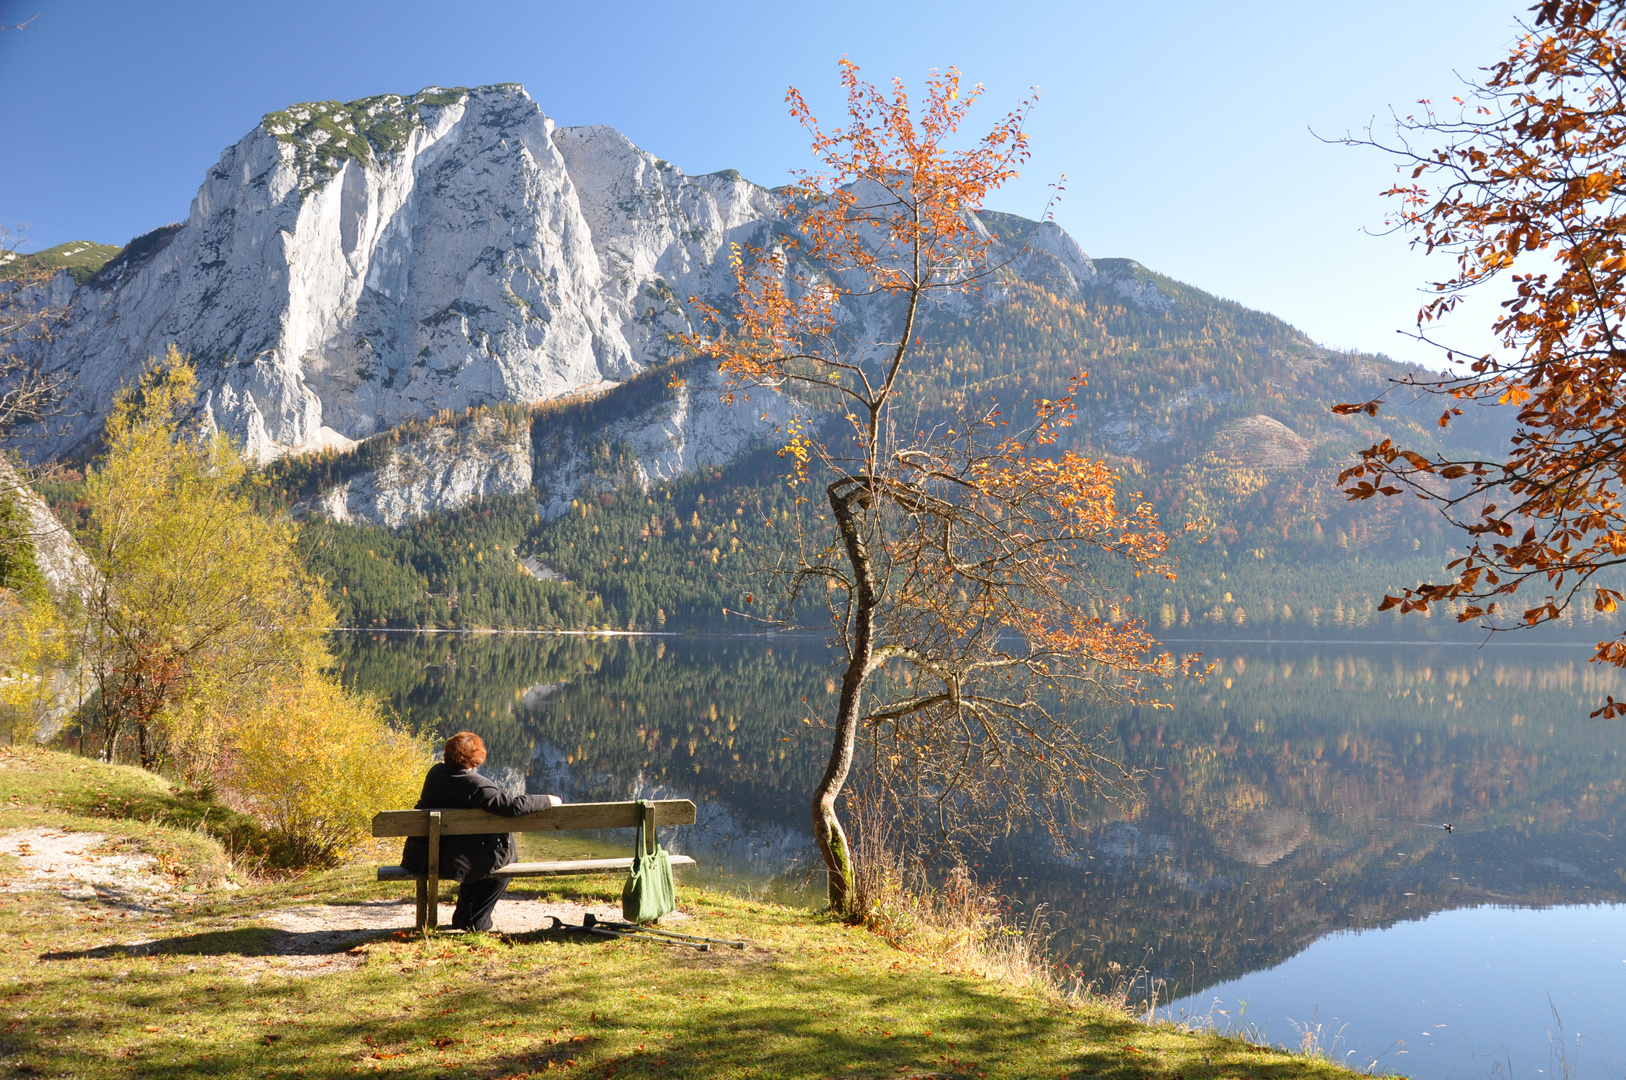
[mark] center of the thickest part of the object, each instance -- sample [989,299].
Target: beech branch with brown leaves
[1525,181]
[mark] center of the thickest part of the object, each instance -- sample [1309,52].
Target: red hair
[466,750]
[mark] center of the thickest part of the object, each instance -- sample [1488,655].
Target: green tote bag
[648,893]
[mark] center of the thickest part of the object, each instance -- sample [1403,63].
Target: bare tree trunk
[827,830]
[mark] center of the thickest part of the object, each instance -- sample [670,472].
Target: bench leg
[433,875]
[423,904]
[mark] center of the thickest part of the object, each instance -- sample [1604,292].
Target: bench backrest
[606,815]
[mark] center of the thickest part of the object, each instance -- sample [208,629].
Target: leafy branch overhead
[1525,184]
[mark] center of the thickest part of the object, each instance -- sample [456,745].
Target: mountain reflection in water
[1298,791]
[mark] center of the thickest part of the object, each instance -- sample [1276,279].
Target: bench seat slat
[570,816]
[539,869]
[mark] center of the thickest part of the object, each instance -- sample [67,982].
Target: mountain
[446,325]
[346,268]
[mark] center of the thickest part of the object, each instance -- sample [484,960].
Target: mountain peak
[347,267]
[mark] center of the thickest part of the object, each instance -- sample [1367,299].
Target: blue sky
[1184,128]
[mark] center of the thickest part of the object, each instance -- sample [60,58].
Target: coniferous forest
[1171,391]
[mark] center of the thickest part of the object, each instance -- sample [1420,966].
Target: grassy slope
[187,833]
[81,258]
[81,996]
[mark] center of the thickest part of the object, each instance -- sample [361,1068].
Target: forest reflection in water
[1298,791]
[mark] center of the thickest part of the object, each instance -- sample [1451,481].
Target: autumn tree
[35,679]
[199,597]
[957,562]
[315,761]
[1523,182]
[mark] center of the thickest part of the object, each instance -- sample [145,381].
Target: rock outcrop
[660,429]
[686,427]
[67,570]
[1262,442]
[445,468]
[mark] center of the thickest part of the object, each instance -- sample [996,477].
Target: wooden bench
[437,823]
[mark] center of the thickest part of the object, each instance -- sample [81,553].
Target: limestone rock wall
[345,268]
[446,468]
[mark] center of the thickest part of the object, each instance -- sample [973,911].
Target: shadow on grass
[245,941]
[269,941]
[779,1040]
[415,1020]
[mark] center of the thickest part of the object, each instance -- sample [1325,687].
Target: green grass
[207,988]
[189,833]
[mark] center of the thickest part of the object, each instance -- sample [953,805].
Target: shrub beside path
[317,976]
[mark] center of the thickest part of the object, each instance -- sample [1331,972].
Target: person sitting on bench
[452,784]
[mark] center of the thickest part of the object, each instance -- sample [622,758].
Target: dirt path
[79,865]
[318,938]
[310,939]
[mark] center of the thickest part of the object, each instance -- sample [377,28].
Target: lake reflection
[1298,793]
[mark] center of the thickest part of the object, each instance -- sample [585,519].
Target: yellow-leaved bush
[201,595]
[37,679]
[316,761]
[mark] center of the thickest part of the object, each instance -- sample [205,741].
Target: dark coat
[467,858]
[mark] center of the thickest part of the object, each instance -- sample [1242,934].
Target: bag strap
[647,842]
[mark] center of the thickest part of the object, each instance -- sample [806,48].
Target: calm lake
[1286,870]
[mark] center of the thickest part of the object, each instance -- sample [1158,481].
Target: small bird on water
[1446,826]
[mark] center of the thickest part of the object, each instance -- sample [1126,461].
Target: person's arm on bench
[481,794]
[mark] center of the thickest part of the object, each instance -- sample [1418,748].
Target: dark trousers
[475,902]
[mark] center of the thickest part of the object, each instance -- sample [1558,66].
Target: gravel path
[69,862]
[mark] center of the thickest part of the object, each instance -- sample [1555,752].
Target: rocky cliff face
[444,469]
[67,570]
[663,436]
[688,427]
[347,267]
